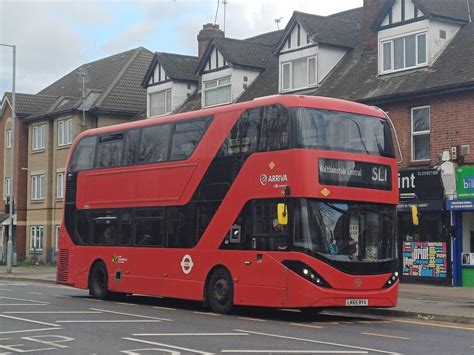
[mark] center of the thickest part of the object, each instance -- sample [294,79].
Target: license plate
[357,302]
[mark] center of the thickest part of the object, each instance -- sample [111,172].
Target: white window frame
[168,105]
[60,184]
[391,40]
[8,187]
[38,137]
[290,63]
[57,228]
[65,132]
[8,138]
[36,238]
[37,188]
[217,87]
[419,133]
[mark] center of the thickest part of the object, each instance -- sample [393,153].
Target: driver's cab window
[269,234]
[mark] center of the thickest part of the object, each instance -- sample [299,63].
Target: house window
[298,74]
[160,103]
[8,187]
[56,240]
[8,138]
[60,185]
[65,132]
[37,192]
[420,133]
[217,92]
[38,134]
[404,52]
[36,237]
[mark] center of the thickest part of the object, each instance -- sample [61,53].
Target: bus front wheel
[220,291]
[98,281]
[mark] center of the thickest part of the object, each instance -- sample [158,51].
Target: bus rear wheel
[220,291]
[98,281]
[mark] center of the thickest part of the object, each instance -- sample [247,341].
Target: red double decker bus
[285,201]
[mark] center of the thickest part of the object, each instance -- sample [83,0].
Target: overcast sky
[54,37]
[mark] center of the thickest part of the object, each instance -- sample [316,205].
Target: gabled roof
[28,104]
[269,38]
[326,30]
[117,78]
[237,52]
[452,10]
[176,66]
[354,15]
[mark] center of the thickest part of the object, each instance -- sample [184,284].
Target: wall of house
[437,44]
[217,60]
[294,40]
[327,59]
[450,125]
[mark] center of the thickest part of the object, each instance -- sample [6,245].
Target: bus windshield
[346,231]
[342,131]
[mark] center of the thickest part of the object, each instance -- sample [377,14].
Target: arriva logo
[265,179]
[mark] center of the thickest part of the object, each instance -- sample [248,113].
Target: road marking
[62,296]
[347,322]
[207,314]
[449,326]
[316,341]
[386,336]
[168,346]
[296,351]
[5,289]
[165,308]
[253,319]
[186,334]
[307,325]
[54,312]
[110,321]
[22,299]
[92,299]
[29,320]
[373,321]
[131,315]
[125,303]
[22,304]
[35,293]
[29,330]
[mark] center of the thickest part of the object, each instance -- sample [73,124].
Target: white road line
[317,342]
[168,346]
[307,325]
[35,293]
[23,299]
[55,312]
[165,308]
[207,314]
[29,320]
[386,336]
[92,299]
[253,319]
[62,296]
[373,321]
[111,321]
[296,351]
[29,330]
[22,304]
[125,303]
[131,315]
[186,334]
[6,289]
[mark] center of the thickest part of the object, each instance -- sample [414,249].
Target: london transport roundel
[187,264]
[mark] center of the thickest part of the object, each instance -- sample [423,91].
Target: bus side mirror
[414,215]
[282,213]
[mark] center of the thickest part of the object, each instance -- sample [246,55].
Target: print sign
[425,259]
[465,182]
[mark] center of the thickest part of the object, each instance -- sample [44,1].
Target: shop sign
[425,259]
[465,182]
[460,205]
[424,184]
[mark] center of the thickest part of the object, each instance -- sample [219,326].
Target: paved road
[42,318]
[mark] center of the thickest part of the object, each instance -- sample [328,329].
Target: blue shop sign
[460,205]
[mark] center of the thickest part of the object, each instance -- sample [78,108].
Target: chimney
[208,32]
[371,10]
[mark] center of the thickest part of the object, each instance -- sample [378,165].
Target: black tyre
[220,291]
[98,281]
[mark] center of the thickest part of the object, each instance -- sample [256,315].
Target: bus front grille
[63,265]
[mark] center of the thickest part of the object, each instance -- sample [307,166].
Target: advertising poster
[424,259]
[465,182]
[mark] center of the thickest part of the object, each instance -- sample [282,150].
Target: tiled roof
[117,77]
[191,104]
[265,84]
[269,38]
[28,104]
[354,15]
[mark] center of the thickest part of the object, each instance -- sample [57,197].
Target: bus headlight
[392,280]
[306,272]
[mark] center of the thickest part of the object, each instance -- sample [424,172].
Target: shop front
[425,248]
[462,209]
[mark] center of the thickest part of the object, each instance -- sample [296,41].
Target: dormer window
[217,92]
[298,74]
[160,103]
[404,52]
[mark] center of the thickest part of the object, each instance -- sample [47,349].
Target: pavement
[425,302]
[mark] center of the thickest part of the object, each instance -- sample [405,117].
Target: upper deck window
[83,156]
[342,131]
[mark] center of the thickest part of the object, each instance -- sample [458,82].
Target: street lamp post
[12,165]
